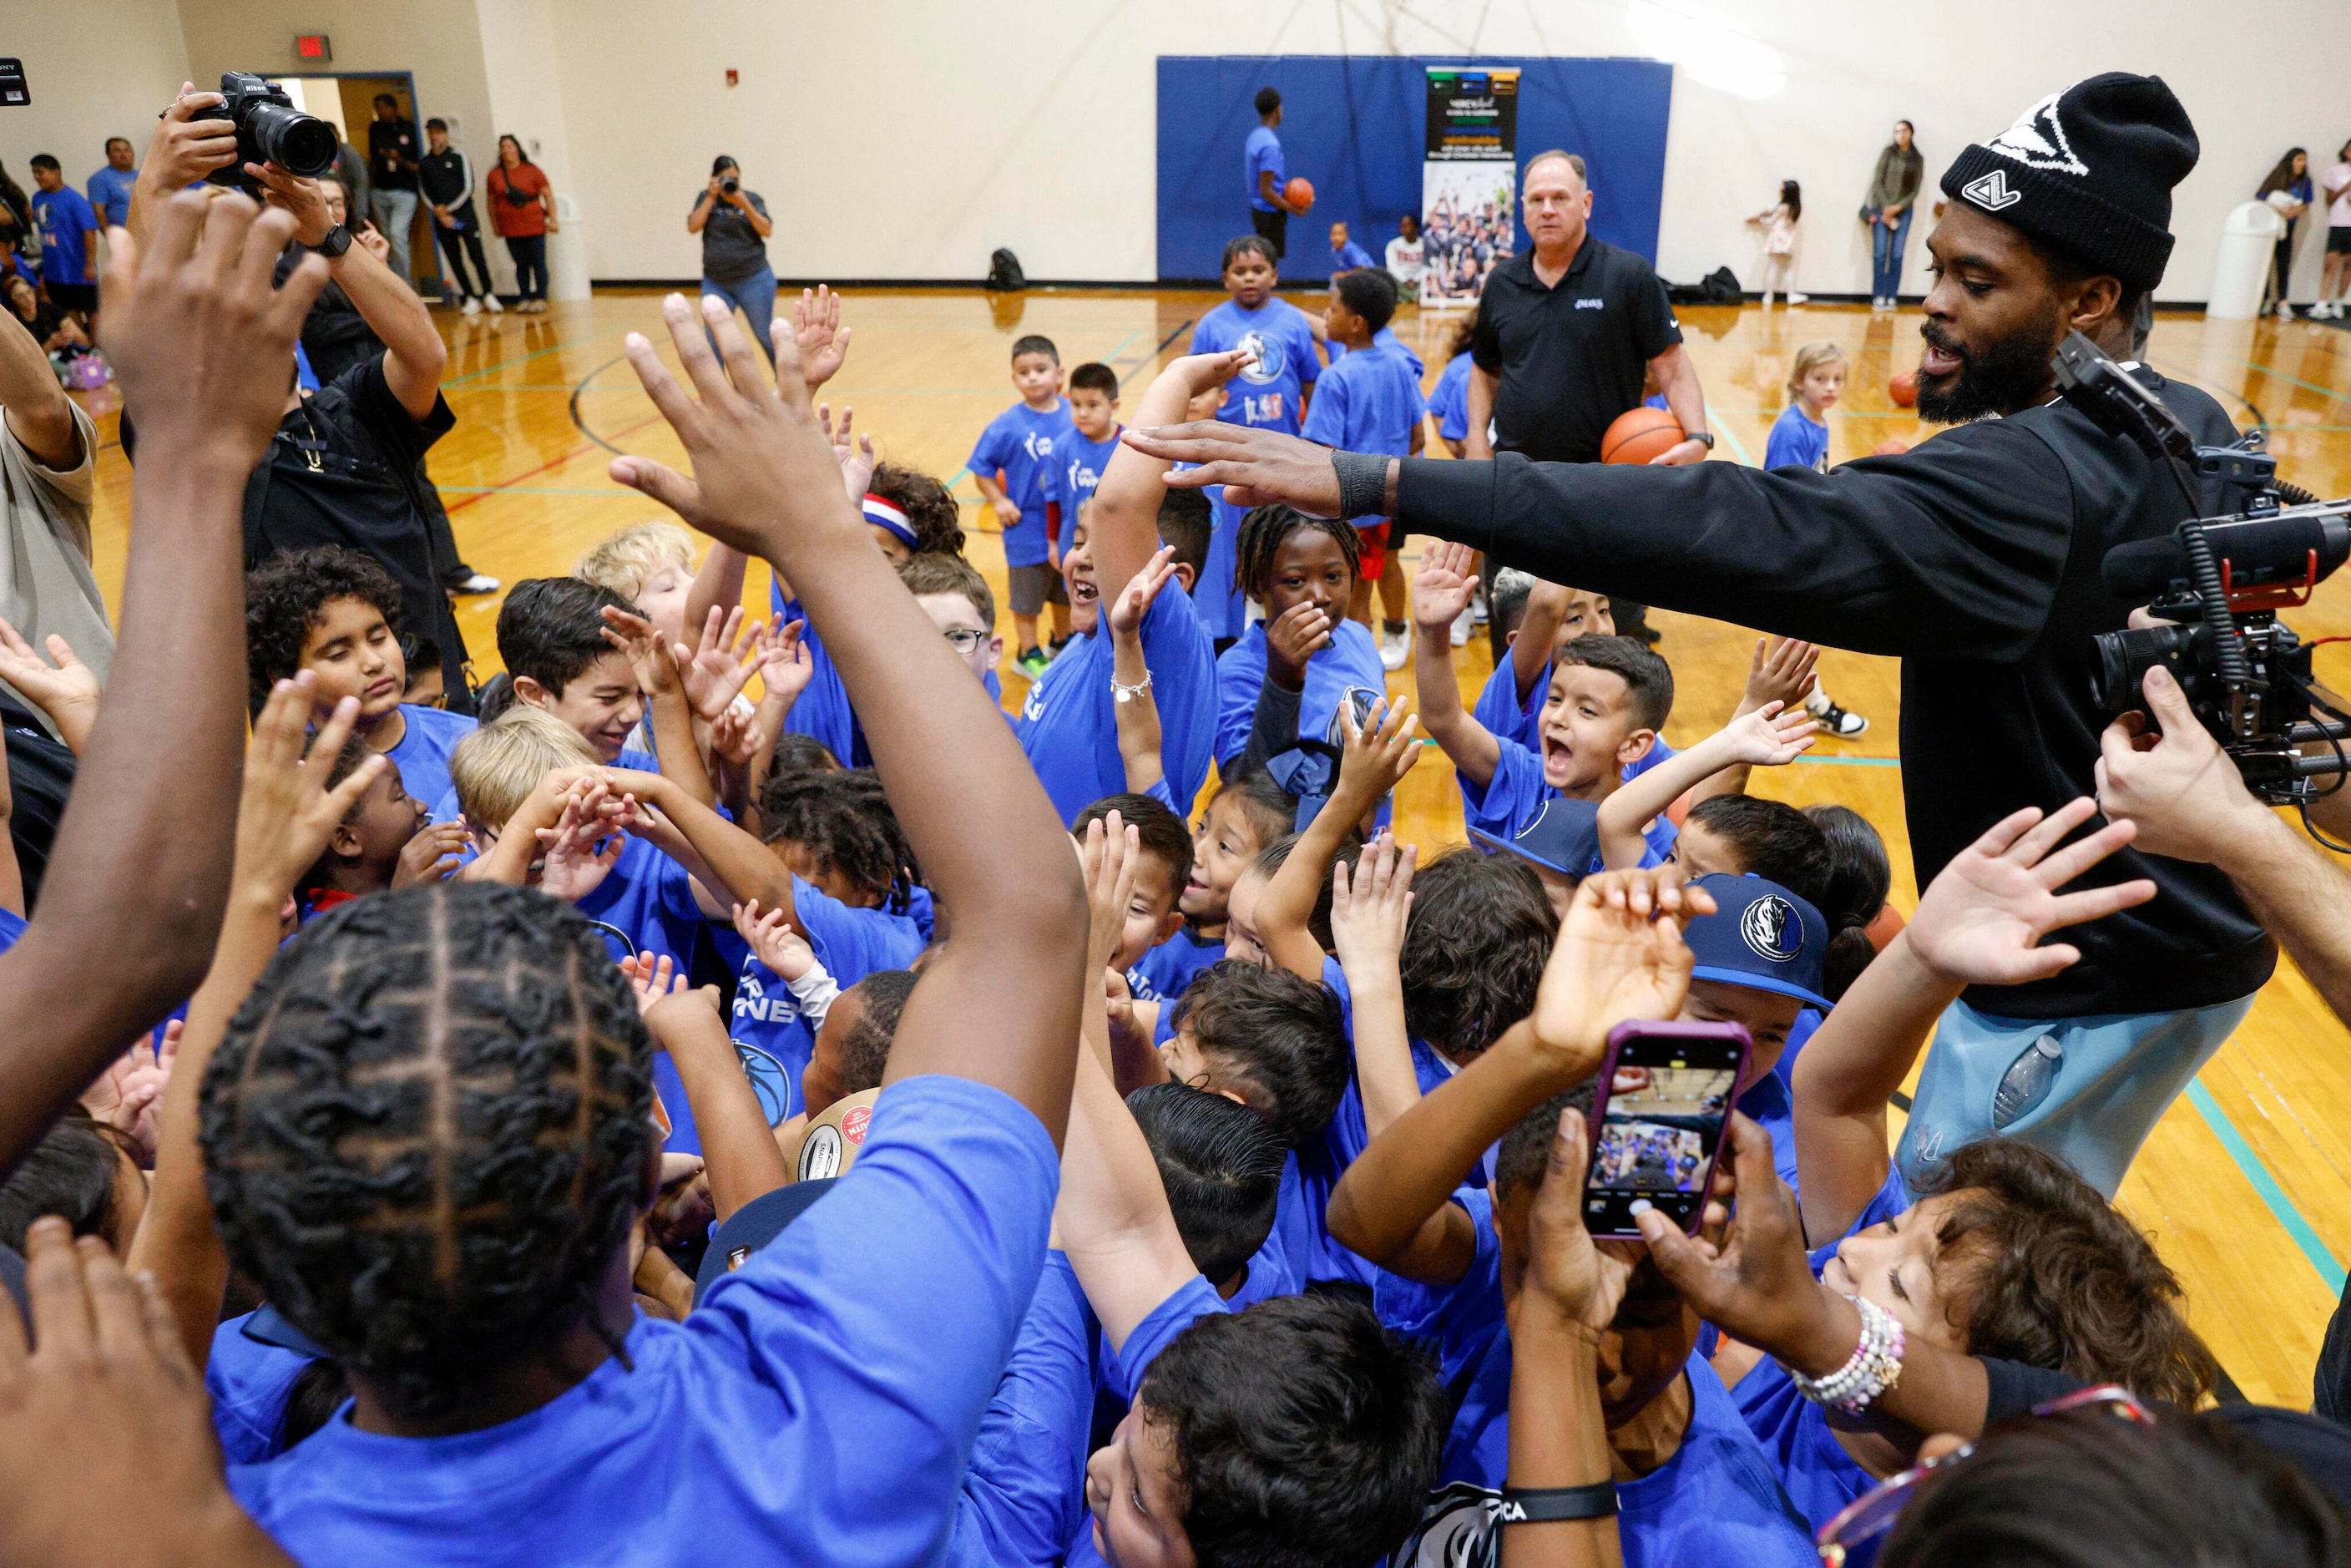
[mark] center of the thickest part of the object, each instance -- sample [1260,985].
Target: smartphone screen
[1668,1095]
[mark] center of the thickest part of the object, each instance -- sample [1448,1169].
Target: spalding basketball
[1889,449]
[1299,194]
[1904,389]
[1641,435]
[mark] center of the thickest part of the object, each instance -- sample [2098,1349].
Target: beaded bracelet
[1874,1366]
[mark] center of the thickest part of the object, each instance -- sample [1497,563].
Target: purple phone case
[1644,1029]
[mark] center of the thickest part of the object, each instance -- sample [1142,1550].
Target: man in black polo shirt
[1973,557]
[392,156]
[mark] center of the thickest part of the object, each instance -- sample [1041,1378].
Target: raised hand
[655,666]
[191,140]
[67,691]
[1620,954]
[789,666]
[1256,466]
[650,978]
[1981,920]
[856,458]
[432,855]
[1296,635]
[1369,908]
[1134,601]
[773,941]
[1377,754]
[1783,675]
[723,662]
[287,813]
[822,340]
[1441,590]
[305,198]
[575,865]
[1772,735]
[129,1095]
[1201,372]
[763,470]
[1111,856]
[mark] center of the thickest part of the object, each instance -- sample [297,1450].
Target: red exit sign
[313,46]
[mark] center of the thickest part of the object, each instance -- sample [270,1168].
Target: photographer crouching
[1974,558]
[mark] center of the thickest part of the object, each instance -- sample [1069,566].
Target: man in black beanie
[1974,558]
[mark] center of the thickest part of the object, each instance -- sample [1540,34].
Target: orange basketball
[1889,449]
[1299,194]
[1640,434]
[1904,389]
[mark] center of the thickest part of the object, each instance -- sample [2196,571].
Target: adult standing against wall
[733,222]
[445,176]
[110,188]
[393,155]
[1893,192]
[1567,332]
[2288,190]
[522,209]
[1270,204]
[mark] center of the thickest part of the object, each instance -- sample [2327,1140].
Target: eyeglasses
[967,640]
[1851,1539]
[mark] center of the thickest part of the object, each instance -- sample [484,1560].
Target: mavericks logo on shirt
[1036,444]
[1272,358]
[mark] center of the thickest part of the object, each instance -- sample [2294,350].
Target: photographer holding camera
[1974,558]
[734,224]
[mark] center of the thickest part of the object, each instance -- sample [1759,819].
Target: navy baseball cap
[1760,934]
[1564,837]
[752,1226]
[266,1325]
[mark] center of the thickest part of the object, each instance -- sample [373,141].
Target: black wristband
[1546,1505]
[1363,483]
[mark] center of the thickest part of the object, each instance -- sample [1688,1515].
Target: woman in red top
[522,208]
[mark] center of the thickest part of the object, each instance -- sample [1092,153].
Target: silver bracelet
[1128,693]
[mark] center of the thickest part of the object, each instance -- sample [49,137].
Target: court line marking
[525,358]
[1735,445]
[2297,380]
[571,456]
[1856,761]
[2248,1165]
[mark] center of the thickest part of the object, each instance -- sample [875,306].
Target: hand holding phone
[1664,1094]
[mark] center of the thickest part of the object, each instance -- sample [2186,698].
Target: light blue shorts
[2114,1074]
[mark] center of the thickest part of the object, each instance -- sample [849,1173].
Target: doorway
[348,103]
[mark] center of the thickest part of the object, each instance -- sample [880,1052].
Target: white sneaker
[490,303]
[1481,612]
[1396,647]
[2284,311]
[477,583]
[471,307]
[1461,629]
[1795,298]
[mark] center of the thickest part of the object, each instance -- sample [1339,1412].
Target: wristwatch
[337,240]
[1704,438]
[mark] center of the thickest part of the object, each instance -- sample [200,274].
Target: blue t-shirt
[110,193]
[1024,1497]
[851,943]
[1796,442]
[422,754]
[852,1360]
[1368,401]
[1715,1500]
[1349,257]
[1216,598]
[250,1384]
[1078,467]
[1510,800]
[1450,402]
[1262,154]
[1168,969]
[1507,719]
[1021,442]
[64,218]
[1266,396]
[12,931]
[1384,337]
[645,904]
[1351,659]
[1070,728]
[822,711]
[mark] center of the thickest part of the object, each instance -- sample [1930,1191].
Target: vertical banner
[1468,179]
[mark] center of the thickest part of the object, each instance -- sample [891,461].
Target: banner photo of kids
[1468,181]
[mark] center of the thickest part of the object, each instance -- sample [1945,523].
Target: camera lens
[2125,658]
[299,143]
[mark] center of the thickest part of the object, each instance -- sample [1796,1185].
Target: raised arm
[1979,923]
[1136,709]
[738,1150]
[1439,593]
[1781,674]
[1112,1217]
[1531,650]
[414,355]
[1368,912]
[1771,738]
[191,140]
[140,871]
[1377,756]
[1122,521]
[766,481]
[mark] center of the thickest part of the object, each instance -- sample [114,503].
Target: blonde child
[1800,439]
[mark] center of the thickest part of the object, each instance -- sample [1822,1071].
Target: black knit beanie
[2088,171]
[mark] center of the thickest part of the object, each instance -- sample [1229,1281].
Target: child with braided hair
[1306,655]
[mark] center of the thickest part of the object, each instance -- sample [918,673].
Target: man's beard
[2004,377]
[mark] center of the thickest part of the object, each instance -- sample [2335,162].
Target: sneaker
[471,307]
[1839,725]
[1032,662]
[475,583]
[1795,298]
[2284,311]
[1481,612]
[1461,630]
[494,305]
[1395,644]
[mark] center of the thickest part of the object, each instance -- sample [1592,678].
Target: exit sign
[313,46]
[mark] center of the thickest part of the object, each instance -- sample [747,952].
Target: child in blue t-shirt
[522,1340]
[1084,451]
[332,611]
[1369,400]
[1449,401]
[1346,255]
[1011,466]
[1069,726]
[1271,390]
[1800,436]
[1304,572]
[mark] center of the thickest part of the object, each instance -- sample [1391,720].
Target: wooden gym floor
[2246,1183]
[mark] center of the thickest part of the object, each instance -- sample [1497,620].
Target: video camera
[270,129]
[2221,580]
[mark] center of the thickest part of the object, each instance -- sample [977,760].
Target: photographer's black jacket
[1974,558]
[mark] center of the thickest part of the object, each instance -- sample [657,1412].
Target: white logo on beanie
[2038,141]
[1990,192]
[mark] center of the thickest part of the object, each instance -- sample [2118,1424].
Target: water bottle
[2027,1082]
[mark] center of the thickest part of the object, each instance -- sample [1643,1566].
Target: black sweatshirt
[1974,560]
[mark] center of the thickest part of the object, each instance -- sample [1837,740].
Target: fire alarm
[734,79]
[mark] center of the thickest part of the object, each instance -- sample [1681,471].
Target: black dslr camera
[2220,580]
[270,129]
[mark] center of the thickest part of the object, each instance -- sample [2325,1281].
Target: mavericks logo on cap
[1990,192]
[1772,929]
[2037,141]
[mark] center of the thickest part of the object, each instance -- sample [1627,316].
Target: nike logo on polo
[1990,192]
